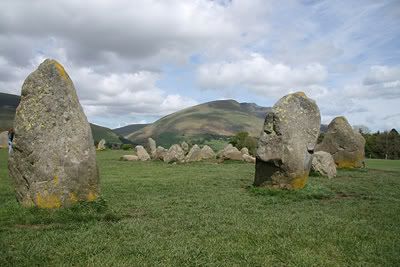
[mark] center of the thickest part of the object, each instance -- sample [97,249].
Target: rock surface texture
[160,153]
[324,164]
[344,144]
[286,144]
[54,160]
[185,147]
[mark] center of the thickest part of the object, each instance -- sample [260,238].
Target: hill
[211,120]
[126,130]
[9,103]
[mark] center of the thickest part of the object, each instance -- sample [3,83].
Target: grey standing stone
[101,145]
[160,153]
[185,147]
[54,160]
[324,164]
[230,153]
[207,153]
[142,153]
[346,146]
[194,154]
[152,147]
[174,154]
[249,158]
[286,144]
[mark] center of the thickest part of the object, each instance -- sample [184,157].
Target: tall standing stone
[54,158]
[152,147]
[286,144]
[346,146]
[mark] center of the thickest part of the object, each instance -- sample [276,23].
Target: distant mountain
[129,129]
[9,103]
[211,120]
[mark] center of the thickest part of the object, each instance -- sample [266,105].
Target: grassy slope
[123,131]
[217,118]
[107,134]
[206,214]
[8,104]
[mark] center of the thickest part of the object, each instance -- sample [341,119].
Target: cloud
[260,75]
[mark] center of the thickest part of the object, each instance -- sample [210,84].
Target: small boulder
[244,151]
[142,153]
[194,154]
[207,153]
[230,153]
[174,154]
[324,164]
[101,145]
[129,158]
[345,145]
[152,147]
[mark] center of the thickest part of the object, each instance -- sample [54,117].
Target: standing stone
[174,154]
[207,152]
[152,147]
[286,144]
[4,139]
[185,147]
[101,145]
[324,164]
[160,153]
[344,144]
[142,153]
[54,159]
[230,153]
[194,154]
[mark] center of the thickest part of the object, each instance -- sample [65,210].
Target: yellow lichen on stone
[302,94]
[299,182]
[73,198]
[91,196]
[48,201]
[61,70]
[56,180]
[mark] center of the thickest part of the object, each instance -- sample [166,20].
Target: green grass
[153,213]
[383,164]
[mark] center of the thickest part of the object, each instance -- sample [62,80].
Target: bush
[242,139]
[126,146]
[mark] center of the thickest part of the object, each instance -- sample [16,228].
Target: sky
[134,61]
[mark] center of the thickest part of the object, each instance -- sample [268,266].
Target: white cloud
[261,76]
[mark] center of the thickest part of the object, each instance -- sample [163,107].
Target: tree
[243,139]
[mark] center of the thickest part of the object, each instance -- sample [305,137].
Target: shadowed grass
[153,213]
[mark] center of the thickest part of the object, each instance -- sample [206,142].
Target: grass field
[152,213]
